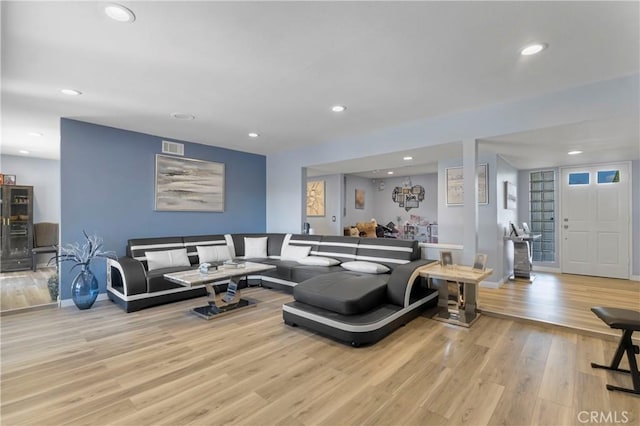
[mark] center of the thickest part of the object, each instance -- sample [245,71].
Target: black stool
[628,321]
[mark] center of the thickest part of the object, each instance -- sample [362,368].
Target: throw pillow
[366,267]
[217,253]
[255,248]
[318,261]
[166,258]
[295,252]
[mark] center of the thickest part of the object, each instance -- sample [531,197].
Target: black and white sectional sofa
[353,289]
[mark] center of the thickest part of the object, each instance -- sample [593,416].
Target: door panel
[579,248]
[607,248]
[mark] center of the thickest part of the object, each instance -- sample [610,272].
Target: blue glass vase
[84,289]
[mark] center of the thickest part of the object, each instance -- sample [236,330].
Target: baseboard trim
[635,278]
[65,303]
[537,268]
[492,284]
[52,305]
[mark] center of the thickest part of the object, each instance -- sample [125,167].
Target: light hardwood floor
[24,289]
[167,366]
[561,299]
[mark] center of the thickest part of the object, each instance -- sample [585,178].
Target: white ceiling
[277,67]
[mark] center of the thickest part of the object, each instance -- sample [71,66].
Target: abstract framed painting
[315,198]
[186,184]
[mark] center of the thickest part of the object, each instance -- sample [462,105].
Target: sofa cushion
[389,252]
[167,258]
[282,271]
[365,267]
[137,247]
[210,254]
[255,248]
[300,273]
[192,241]
[318,261]
[157,282]
[346,293]
[274,243]
[295,252]
[338,247]
[312,241]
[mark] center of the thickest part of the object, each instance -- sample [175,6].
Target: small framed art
[9,179]
[446,259]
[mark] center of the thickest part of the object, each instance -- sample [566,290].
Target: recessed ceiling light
[532,49]
[407,158]
[338,108]
[389,173]
[36,134]
[253,135]
[119,13]
[23,151]
[71,92]
[182,116]
[574,152]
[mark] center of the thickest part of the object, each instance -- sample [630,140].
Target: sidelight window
[542,194]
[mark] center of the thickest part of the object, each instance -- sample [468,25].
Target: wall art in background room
[360,199]
[315,198]
[455,185]
[9,179]
[510,195]
[185,184]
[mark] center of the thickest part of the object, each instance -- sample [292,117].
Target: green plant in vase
[84,287]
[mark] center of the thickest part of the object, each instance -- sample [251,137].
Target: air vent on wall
[174,148]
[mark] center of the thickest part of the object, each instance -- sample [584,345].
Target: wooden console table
[467,280]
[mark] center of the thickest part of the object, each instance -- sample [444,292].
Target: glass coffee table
[220,303]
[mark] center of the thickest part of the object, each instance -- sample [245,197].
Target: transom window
[579,178]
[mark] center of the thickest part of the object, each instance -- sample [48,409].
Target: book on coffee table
[233,264]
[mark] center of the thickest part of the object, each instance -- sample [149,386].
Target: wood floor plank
[558,380]
[479,404]
[165,365]
[549,413]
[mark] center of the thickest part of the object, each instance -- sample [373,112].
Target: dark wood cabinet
[16,206]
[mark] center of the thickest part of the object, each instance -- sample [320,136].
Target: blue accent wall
[108,183]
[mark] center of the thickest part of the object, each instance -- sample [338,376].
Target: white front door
[595,220]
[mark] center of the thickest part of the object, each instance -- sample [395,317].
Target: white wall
[44,176]
[371,202]
[506,172]
[452,225]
